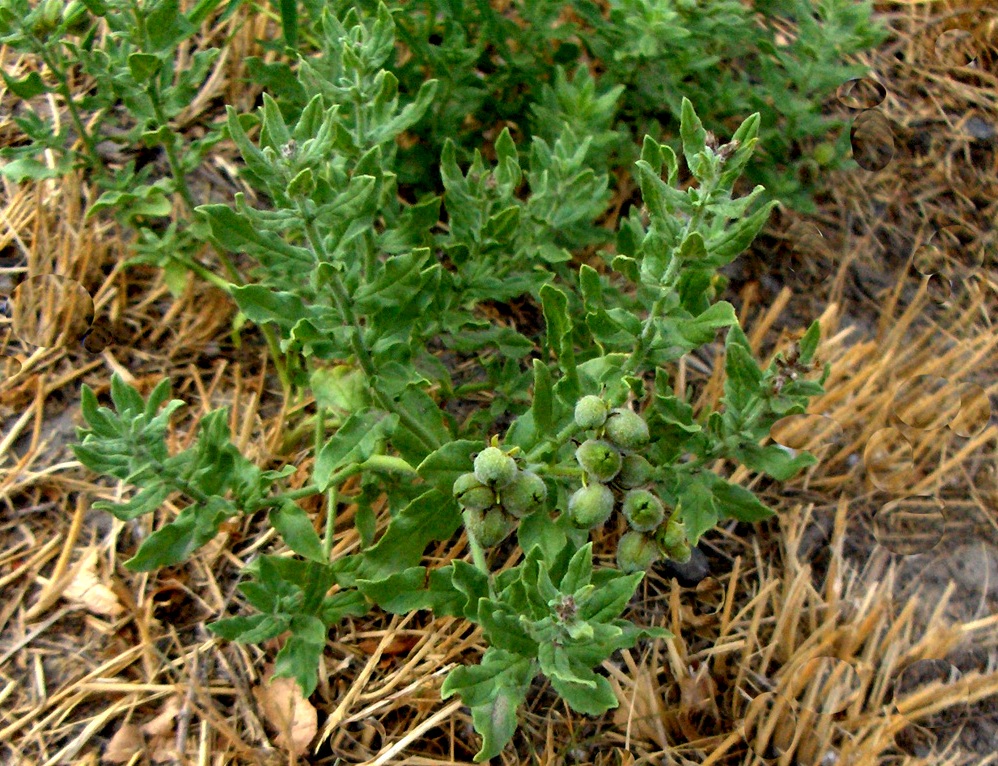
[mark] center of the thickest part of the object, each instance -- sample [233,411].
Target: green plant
[360,286]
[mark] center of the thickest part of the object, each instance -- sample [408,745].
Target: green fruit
[672,542]
[591,506]
[626,429]
[590,412]
[636,552]
[600,459]
[524,495]
[634,471]
[643,510]
[494,467]
[489,527]
[74,16]
[471,493]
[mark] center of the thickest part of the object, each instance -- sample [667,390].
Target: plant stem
[342,301]
[556,441]
[477,552]
[327,537]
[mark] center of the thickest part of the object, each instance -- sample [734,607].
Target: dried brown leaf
[288,712]
[87,589]
[125,743]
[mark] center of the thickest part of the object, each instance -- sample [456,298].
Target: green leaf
[442,467]
[401,592]
[702,329]
[692,132]
[559,333]
[774,460]
[586,699]
[289,22]
[354,441]
[166,25]
[28,87]
[236,234]
[143,66]
[494,690]
[260,304]
[608,601]
[693,248]
[431,516]
[175,542]
[543,403]
[580,570]
[299,657]
[254,629]
[809,343]
[697,507]
[295,528]
[733,501]
[738,236]
[342,388]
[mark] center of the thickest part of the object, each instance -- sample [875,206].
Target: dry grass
[811,643]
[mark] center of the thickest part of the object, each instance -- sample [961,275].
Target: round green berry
[636,552]
[494,467]
[599,458]
[471,493]
[591,506]
[590,412]
[489,527]
[634,472]
[672,541]
[643,510]
[524,494]
[626,429]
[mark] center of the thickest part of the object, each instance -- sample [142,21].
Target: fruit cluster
[496,495]
[616,474]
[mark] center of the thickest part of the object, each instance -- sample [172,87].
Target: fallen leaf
[161,731]
[125,743]
[85,588]
[163,724]
[288,712]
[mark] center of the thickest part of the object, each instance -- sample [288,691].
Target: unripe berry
[671,539]
[524,495]
[636,552]
[591,506]
[643,510]
[494,467]
[626,429]
[634,471]
[471,493]
[600,459]
[489,527]
[590,412]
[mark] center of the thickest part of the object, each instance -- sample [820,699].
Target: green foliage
[361,269]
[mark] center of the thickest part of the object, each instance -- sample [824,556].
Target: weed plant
[358,285]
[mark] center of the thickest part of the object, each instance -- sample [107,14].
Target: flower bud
[494,467]
[600,459]
[626,429]
[590,412]
[591,506]
[471,493]
[643,510]
[524,495]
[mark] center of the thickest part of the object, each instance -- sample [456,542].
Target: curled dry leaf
[288,712]
[125,743]
[85,588]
